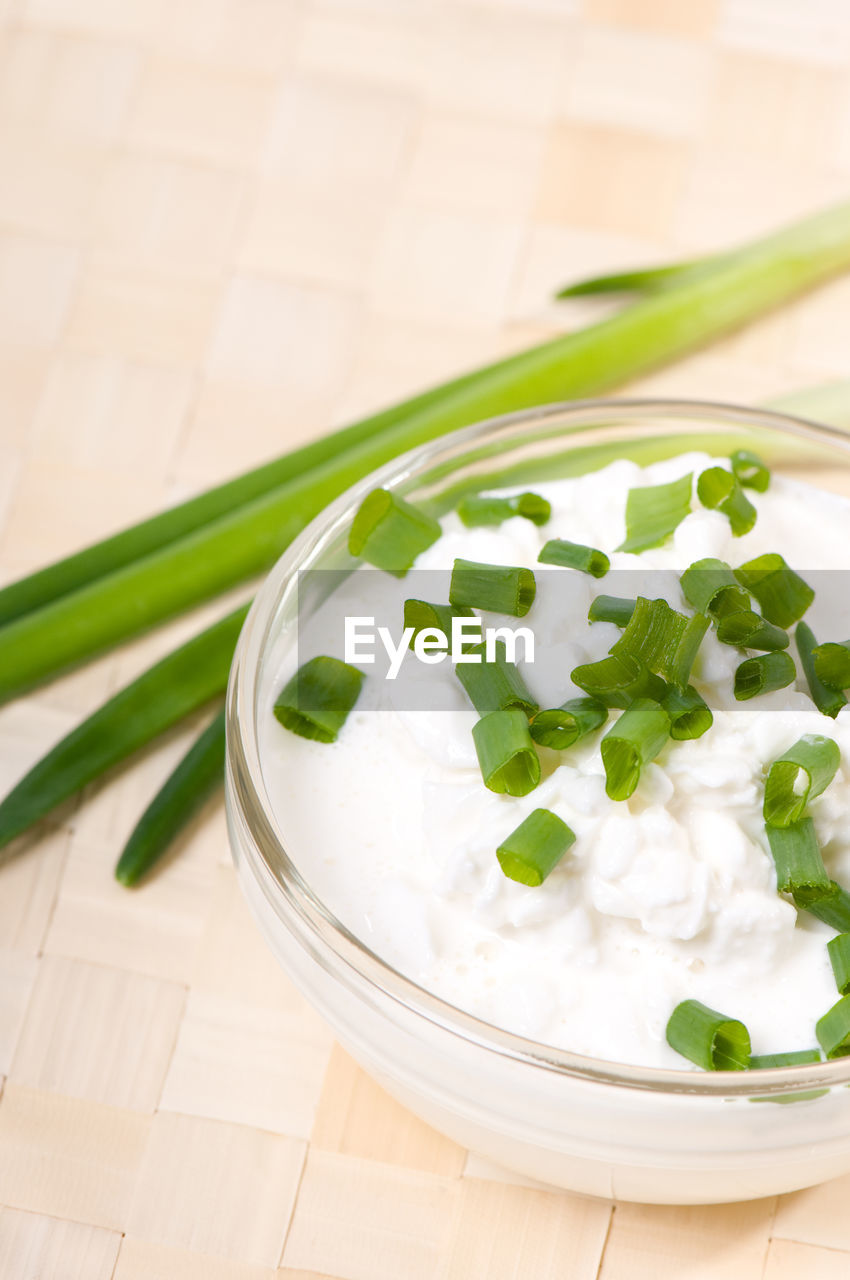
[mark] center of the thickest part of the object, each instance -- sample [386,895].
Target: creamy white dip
[667,896]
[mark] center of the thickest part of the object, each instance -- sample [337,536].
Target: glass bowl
[634,1133]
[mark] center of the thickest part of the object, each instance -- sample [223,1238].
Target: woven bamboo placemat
[225,225]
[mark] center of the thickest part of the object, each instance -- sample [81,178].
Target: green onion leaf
[653,512]
[795,1058]
[652,635]
[572,555]
[719,490]
[708,1038]
[748,630]
[563,726]
[749,470]
[827,700]
[797,858]
[618,680]
[782,594]
[611,609]
[798,776]
[493,686]
[711,587]
[390,533]
[637,737]
[832,664]
[423,616]
[839,957]
[832,907]
[681,661]
[535,847]
[509,763]
[690,717]
[481,509]
[833,1029]
[316,701]
[493,587]
[763,674]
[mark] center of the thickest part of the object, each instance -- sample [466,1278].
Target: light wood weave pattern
[224,225]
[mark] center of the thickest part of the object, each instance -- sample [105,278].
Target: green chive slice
[800,775]
[509,763]
[618,680]
[794,1058]
[390,533]
[711,587]
[829,701]
[719,490]
[480,509]
[493,686]
[573,555]
[708,1038]
[764,674]
[749,470]
[563,726]
[748,630]
[839,957]
[833,1029]
[637,738]
[832,664]
[614,609]
[316,701]
[652,634]
[690,716]
[535,847]
[421,615]
[797,858]
[831,906]
[653,512]
[782,594]
[493,587]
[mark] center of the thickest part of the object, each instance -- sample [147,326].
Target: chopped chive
[493,686]
[832,907]
[493,587]
[481,509]
[795,1058]
[573,555]
[637,737]
[827,700]
[611,609]
[749,470]
[316,701]
[748,630]
[681,661]
[782,594]
[763,674]
[690,716]
[618,680]
[800,775]
[797,858]
[719,490]
[711,587]
[563,726]
[833,1029]
[509,763]
[535,847]
[653,512]
[832,664]
[390,533]
[708,1038]
[839,957]
[421,615]
[652,635]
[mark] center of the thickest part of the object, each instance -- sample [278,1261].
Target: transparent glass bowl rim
[288,892]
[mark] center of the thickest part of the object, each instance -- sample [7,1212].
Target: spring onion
[748,630]
[827,700]
[749,470]
[493,686]
[196,777]
[690,716]
[563,726]
[653,512]
[421,615]
[831,906]
[763,674]
[833,1029]
[719,490]
[782,594]
[390,533]
[800,775]
[614,609]
[641,279]
[652,634]
[711,587]
[708,1038]
[506,754]
[572,555]
[535,848]
[838,949]
[637,738]
[794,1058]
[797,858]
[618,680]
[316,701]
[493,587]
[483,509]
[832,664]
